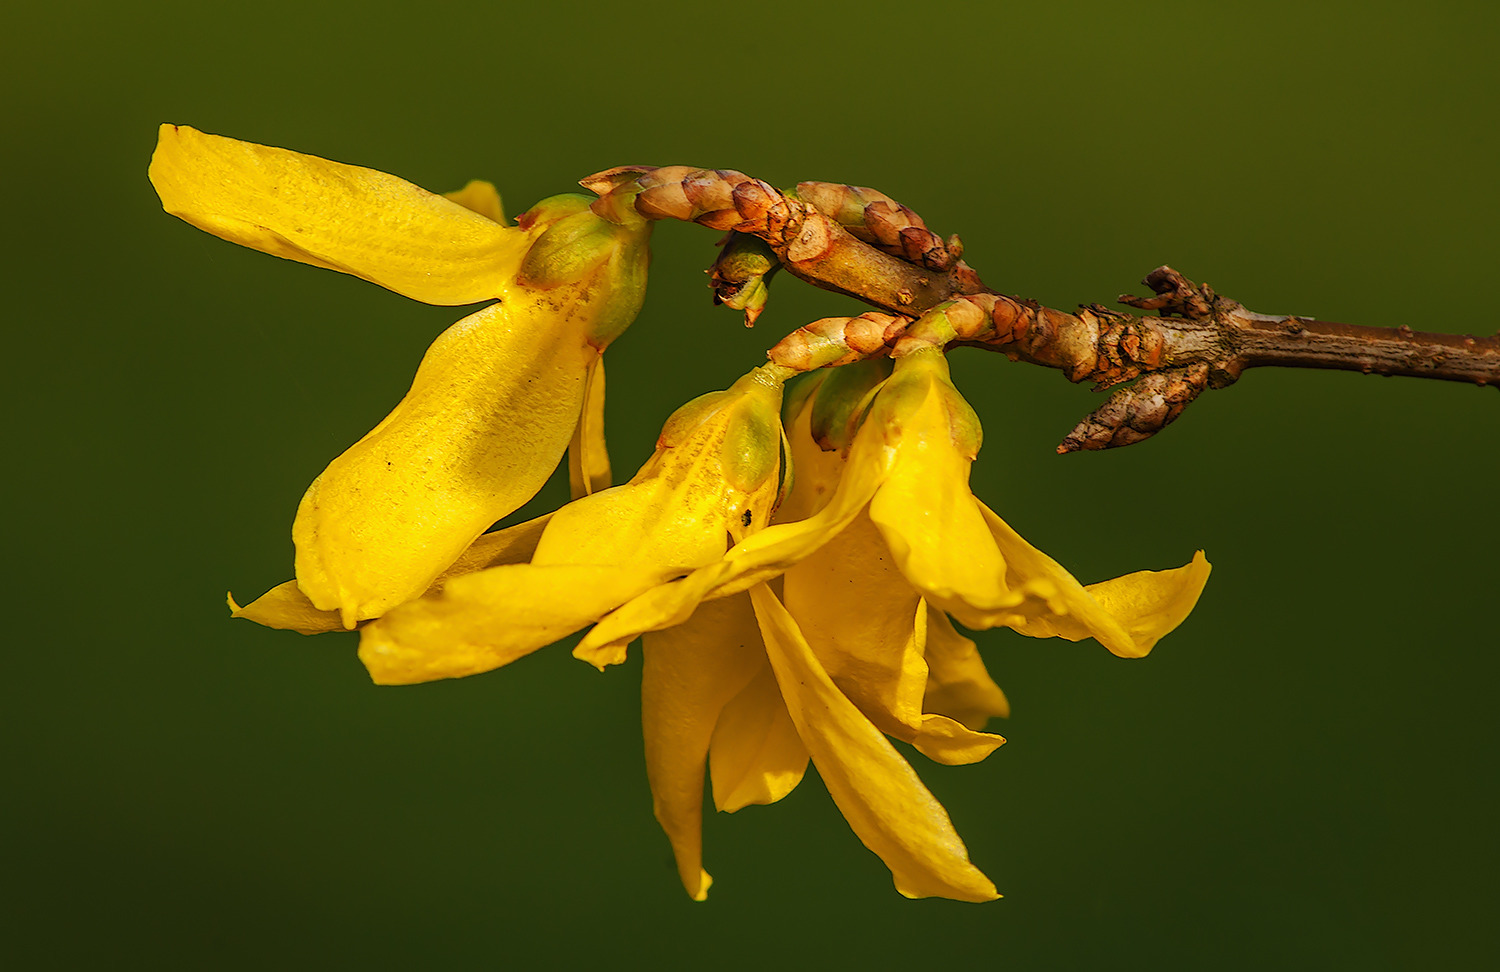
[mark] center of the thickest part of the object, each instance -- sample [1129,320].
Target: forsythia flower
[779,625]
[907,469]
[714,478]
[497,397]
[890,540]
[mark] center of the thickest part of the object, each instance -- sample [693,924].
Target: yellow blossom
[740,688]
[498,396]
[907,469]
[766,644]
[714,477]
[889,542]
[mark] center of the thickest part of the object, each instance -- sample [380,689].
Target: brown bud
[666,201]
[1136,413]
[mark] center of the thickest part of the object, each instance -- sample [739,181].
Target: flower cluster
[794,587]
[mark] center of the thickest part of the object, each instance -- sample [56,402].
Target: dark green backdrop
[1300,777]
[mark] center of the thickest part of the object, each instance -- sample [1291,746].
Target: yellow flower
[498,396]
[907,470]
[890,541]
[740,688]
[714,477]
[877,544]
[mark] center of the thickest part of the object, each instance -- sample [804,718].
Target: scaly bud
[742,273]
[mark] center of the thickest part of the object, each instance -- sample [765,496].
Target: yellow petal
[688,675]
[512,545]
[479,197]
[885,803]
[1075,613]
[756,756]
[645,523]
[1129,614]
[958,685]
[759,557]
[341,217]
[1151,603]
[867,626]
[772,551]
[486,420]
[285,606]
[484,620]
[928,516]
[661,607]
[588,458]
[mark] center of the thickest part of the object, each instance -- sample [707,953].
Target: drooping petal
[958,684]
[1152,603]
[716,462]
[1076,614]
[773,550]
[588,457]
[756,755]
[286,607]
[885,803]
[484,620]
[688,675]
[486,420]
[867,626]
[512,545]
[1128,615]
[924,509]
[341,217]
[655,610]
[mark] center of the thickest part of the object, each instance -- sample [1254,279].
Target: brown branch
[888,258]
[809,243]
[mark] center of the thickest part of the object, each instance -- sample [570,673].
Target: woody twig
[862,243]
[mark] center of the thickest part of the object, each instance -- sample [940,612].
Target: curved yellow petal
[286,607]
[689,674]
[512,545]
[342,217]
[1151,603]
[487,418]
[958,684]
[755,756]
[1075,613]
[639,524]
[772,551]
[885,803]
[927,514]
[479,197]
[661,607]
[1129,614]
[588,457]
[867,626]
[488,619]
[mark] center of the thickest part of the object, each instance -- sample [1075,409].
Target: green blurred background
[1300,777]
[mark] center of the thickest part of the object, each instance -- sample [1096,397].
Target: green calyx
[605,261]
[840,400]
